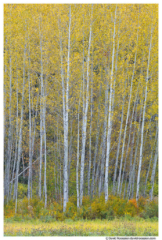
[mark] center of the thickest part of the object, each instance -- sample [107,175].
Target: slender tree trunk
[96,149]
[65,95]
[45,157]
[135,156]
[14,165]
[89,168]
[60,174]
[20,133]
[109,118]
[94,161]
[55,170]
[131,156]
[130,128]
[101,180]
[41,117]
[30,140]
[8,161]
[16,141]
[148,170]
[22,157]
[34,127]
[70,156]
[65,155]
[125,130]
[118,148]
[66,122]
[143,122]
[77,166]
[97,175]
[4,99]
[84,127]
[153,172]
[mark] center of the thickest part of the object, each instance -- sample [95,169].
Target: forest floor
[116,227]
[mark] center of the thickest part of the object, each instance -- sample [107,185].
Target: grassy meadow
[116,227]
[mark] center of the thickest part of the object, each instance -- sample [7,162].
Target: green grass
[116,227]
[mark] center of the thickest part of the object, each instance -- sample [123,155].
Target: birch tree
[41,113]
[30,138]
[84,126]
[109,117]
[153,171]
[143,122]
[20,131]
[125,129]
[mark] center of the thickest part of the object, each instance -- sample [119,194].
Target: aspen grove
[80,102]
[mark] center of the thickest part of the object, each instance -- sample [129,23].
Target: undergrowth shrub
[9,209]
[32,207]
[150,210]
[71,210]
[97,208]
[73,199]
[91,209]
[86,201]
[22,190]
[141,204]
[115,207]
[155,191]
[132,207]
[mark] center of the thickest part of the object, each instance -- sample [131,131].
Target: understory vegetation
[91,209]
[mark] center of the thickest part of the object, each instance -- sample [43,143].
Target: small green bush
[156,187]
[141,203]
[71,209]
[110,214]
[150,210]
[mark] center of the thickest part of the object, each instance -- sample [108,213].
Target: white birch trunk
[8,162]
[143,123]
[77,166]
[30,141]
[103,144]
[135,156]
[130,128]
[89,167]
[131,156]
[14,165]
[70,156]
[45,157]
[65,96]
[109,118]
[153,172]
[125,130]
[41,117]
[20,133]
[95,154]
[16,150]
[84,127]
[66,122]
[118,148]
[148,170]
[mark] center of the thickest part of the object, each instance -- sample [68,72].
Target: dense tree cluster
[80,100]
